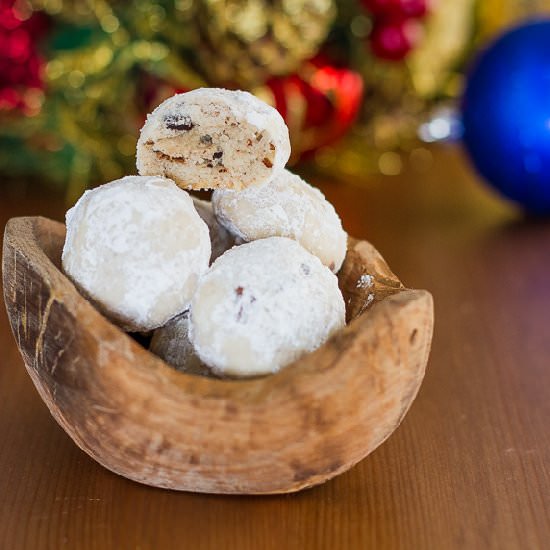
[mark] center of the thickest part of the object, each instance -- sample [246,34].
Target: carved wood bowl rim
[144,420]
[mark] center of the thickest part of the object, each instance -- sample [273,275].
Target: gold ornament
[243,42]
[448,32]
[494,16]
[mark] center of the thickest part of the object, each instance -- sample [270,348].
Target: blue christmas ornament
[506,115]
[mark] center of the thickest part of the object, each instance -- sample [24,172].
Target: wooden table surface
[468,468]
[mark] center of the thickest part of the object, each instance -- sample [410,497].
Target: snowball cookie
[287,206]
[136,247]
[210,138]
[261,306]
[220,237]
[171,343]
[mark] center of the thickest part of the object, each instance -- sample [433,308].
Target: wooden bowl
[144,420]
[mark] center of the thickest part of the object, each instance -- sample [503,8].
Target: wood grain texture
[467,469]
[275,434]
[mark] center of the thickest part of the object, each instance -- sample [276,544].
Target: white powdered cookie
[136,247]
[261,306]
[220,237]
[286,206]
[213,138]
[171,343]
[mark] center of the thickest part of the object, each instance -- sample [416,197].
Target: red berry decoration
[20,63]
[413,8]
[394,39]
[397,8]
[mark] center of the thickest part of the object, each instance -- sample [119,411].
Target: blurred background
[394,107]
[365,86]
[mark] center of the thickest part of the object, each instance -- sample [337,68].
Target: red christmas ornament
[319,104]
[20,64]
[403,9]
[394,39]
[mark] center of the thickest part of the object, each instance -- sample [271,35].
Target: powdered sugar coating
[136,247]
[220,237]
[286,206]
[210,138]
[365,281]
[262,305]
